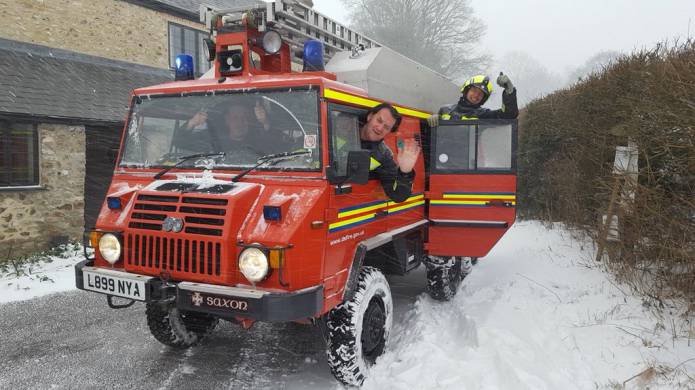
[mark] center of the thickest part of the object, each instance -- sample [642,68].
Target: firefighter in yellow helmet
[474,93]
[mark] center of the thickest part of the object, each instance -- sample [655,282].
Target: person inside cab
[236,129]
[396,177]
[474,93]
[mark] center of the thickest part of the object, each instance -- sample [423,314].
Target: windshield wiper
[186,158]
[271,157]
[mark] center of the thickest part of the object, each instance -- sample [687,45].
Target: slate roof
[45,82]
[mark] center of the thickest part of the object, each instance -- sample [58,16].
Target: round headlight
[272,42]
[253,263]
[110,248]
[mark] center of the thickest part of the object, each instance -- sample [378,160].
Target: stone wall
[33,220]
[105,28]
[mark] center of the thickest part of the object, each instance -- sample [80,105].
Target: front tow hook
[165,293]
[109,300]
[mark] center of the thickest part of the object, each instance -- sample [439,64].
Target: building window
[19,154]
[185,40]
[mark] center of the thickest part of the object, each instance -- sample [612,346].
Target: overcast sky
[562,34]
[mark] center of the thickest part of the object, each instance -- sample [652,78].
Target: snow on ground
[50,274]
[536,313]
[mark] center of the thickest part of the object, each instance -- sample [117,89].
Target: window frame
[475,171]
[308,87]
[335,107]
[198,46]
[5,128]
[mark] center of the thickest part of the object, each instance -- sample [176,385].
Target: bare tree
[595,64]
[441,34]
[532,79]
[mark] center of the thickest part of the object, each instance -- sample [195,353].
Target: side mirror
[357,169]
[358,166]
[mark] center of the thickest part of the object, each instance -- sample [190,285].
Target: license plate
[114,285]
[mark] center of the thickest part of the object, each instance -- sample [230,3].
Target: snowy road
[535,314]
[73,340]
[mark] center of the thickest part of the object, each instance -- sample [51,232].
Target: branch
[531,280]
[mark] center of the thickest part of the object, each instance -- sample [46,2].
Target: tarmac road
[75,341]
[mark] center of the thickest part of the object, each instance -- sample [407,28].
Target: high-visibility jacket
[397,185]
[465,110]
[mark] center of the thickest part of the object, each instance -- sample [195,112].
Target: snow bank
[536,314]
[50,275]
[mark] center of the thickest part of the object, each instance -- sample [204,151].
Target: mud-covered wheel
[444,276]
[357,330]
[176,328]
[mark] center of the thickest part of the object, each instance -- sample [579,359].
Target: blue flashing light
[113,202]
[313,55]
[272,213]
[184,67]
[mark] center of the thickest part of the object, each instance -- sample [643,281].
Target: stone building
[67,68]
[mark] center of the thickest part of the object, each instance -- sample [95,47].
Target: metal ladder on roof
[296,23]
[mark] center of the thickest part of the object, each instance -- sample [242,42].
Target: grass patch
[15,267]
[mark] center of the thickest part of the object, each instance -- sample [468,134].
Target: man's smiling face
[378,125]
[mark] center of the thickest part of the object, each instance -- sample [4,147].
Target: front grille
[201,216]
[194,253]
[201,210]
[154,207]
[156,217]
[216,202]
[206,221]
[164,254]
[158,198]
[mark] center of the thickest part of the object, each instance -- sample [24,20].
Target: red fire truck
[276,218]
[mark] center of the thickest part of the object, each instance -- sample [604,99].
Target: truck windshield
[245,126]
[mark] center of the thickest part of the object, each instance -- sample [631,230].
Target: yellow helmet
[482,82]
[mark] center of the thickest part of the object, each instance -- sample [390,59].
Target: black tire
[444,276]
[357,330]
[178,329]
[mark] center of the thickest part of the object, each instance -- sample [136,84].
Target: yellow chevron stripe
[463,202]
[412,198]
[361,210]
[406,206]
[344,97]
[474,202]
[378,206]
[349,221]
[360,101]
[409,112]
[467,196]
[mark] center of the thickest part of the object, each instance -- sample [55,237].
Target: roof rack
[295,21]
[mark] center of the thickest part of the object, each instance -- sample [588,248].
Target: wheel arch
[374,243]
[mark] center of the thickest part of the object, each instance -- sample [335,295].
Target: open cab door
[472,186]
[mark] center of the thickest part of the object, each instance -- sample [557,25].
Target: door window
[480,146]
[455,147]
[345,137]
[494,147]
